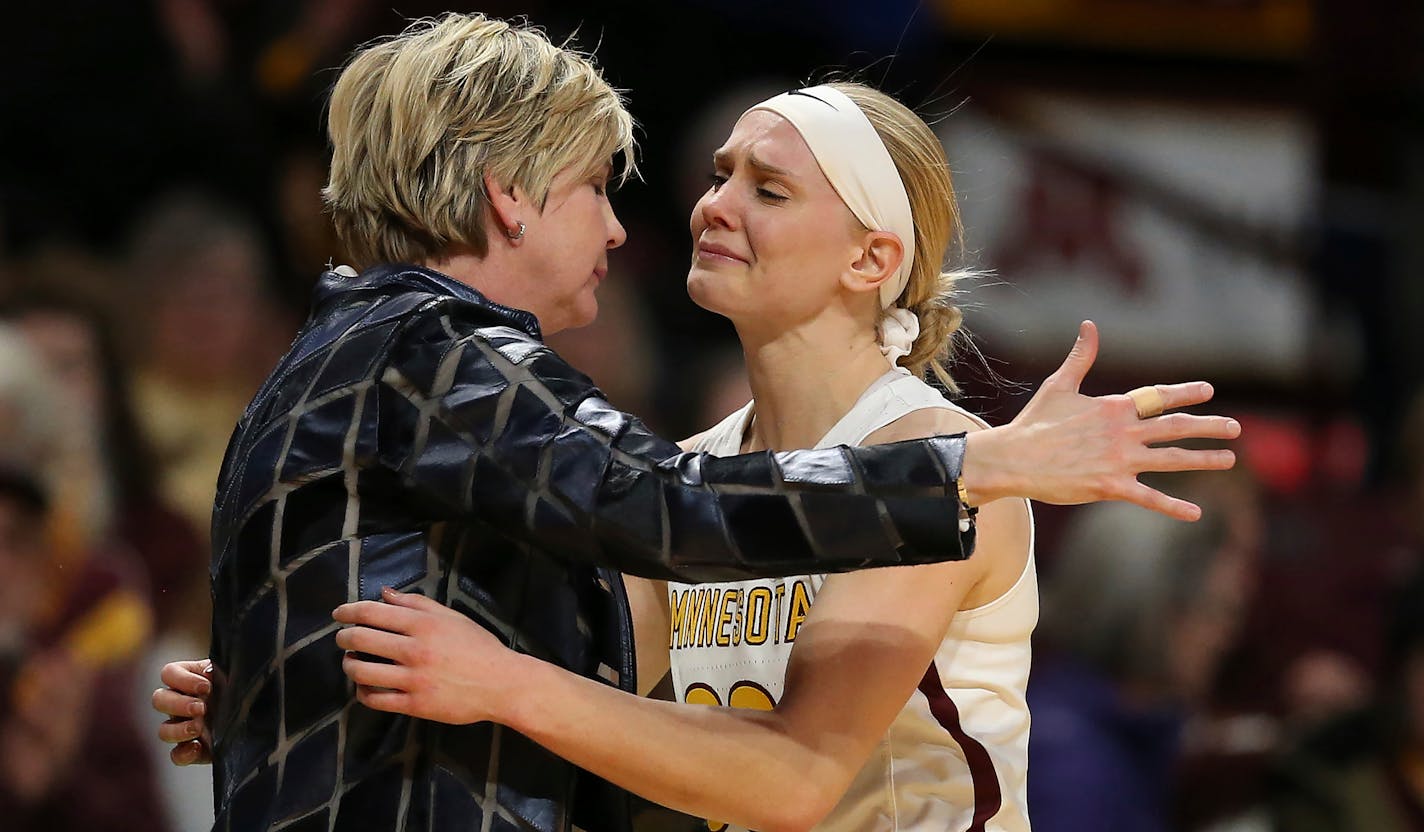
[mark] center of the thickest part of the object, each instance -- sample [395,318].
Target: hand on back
[185,702]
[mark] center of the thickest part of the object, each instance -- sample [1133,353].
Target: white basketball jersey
[956,756]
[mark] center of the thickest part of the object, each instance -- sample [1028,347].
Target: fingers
[173,703]
[413,600]
[1182,459]
[180,730]
[1177,426]
[391,617]
[375,642]
[1069,376]
[1151,498]
[1184,395]
[382,699]
[375,674]
[189,677]
[190,753]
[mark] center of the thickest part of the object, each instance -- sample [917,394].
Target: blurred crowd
[161,225]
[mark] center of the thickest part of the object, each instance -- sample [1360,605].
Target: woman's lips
[711,251]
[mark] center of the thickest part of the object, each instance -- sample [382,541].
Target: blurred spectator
[1138,611]
[73,635]
[1311,650]
[1334,553]
[209,333]
[78,349]
[73,337]
[22,529]
[1363,767]
[35,747]
[1365,770]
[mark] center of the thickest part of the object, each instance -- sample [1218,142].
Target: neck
[497,276]
[464,266]
[805,378]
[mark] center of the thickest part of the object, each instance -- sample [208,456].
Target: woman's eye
[718,180]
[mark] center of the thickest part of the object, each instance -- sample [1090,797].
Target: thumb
[1069,376]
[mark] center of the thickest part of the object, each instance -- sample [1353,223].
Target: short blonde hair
[417,120]
[919,158]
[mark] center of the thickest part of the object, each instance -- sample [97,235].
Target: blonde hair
[417,120]
[919,158]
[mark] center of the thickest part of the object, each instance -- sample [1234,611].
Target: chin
[584,314]
[702,288]
[569,317]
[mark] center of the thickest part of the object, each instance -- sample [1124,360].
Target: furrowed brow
[722,158]
[768,168]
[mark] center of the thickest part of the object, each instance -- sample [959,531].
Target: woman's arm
[507,432]
[858,657]
[510,433]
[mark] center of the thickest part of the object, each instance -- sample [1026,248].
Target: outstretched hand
[443,666]
[1067,448]
[185,702]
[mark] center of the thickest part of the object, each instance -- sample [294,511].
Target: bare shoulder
[1005,526]
[927,421]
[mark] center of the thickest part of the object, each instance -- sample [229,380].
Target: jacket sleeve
[491,424]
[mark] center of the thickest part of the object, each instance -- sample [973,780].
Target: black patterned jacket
[418,435]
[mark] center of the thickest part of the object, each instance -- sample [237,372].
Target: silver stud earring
[515,235]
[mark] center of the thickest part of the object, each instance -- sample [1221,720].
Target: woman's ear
[508,204]
[880,257]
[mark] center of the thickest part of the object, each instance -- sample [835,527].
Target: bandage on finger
[1148,401]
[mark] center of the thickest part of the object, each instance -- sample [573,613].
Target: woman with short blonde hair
[416,120]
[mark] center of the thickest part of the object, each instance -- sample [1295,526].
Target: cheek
[784,260]
[697,223]
[815,249]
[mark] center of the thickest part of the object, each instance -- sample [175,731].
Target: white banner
[1178,229]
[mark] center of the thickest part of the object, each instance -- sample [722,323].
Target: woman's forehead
[772,139]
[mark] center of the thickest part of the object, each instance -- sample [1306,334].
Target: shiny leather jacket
[418,435]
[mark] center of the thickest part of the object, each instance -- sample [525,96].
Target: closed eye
[718,180]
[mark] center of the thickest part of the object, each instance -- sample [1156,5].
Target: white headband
[855,160]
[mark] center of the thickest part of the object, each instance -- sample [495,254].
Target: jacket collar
[333,284]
